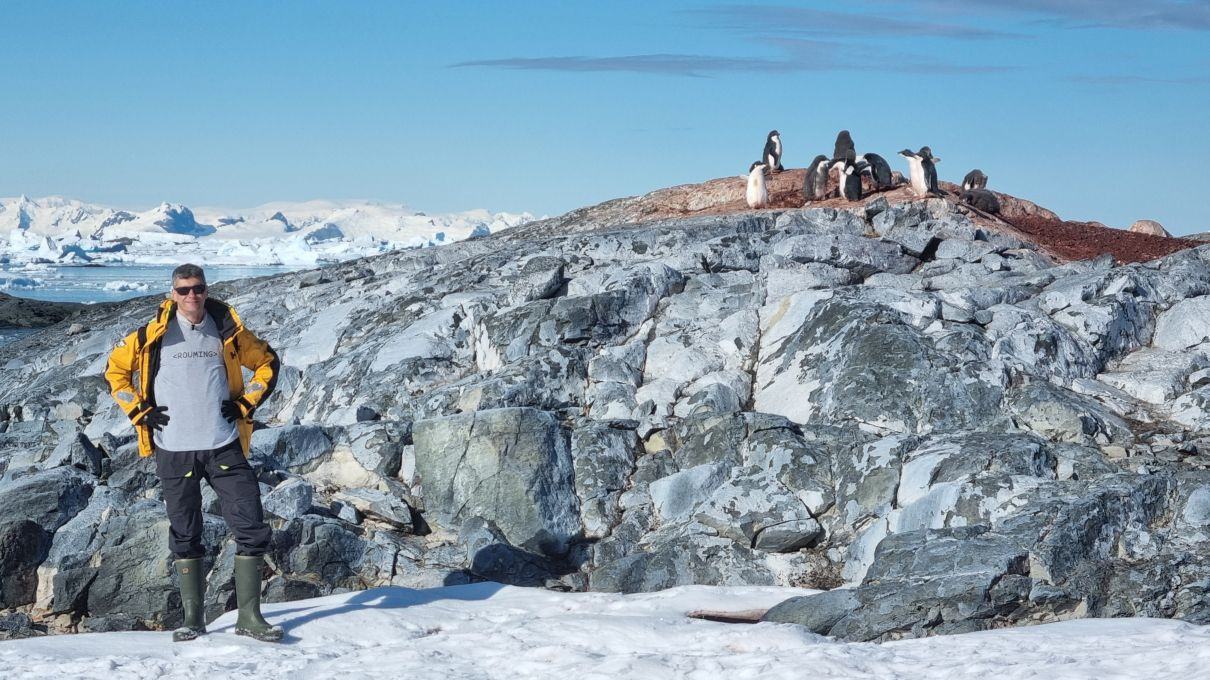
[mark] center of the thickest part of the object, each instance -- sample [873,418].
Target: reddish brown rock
[1018,217]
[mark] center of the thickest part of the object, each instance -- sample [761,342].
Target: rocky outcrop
[17,312]
[1150,227]
[930,420]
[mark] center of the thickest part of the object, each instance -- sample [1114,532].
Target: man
[191,409]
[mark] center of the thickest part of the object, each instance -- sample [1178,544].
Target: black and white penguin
[815,188]
[772,154]
[757,194]
[981,199]
[929,163]
[879,169]
[848,179]
[922,171]
[844,149]
[975,179]
[915,172]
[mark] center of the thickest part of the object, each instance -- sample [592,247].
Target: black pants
[231,477]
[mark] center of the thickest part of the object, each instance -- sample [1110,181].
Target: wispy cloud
[777,20]
[1136,80]
[1189,15]
[799,56]
[693,65]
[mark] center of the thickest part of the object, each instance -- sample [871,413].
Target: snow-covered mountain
[61,230]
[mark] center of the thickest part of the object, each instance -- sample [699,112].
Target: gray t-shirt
[192,383]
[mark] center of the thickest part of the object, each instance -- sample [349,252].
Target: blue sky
[1093,108]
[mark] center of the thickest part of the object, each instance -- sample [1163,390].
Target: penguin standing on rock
[757,195]
[815,188]
[929,162]
[772,154]
[844,149]
[921,170]
[975,179]
[879,169]
[848,179]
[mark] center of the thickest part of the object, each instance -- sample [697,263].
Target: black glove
[231,411]
[157,418]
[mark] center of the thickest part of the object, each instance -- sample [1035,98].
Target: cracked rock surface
[935,424]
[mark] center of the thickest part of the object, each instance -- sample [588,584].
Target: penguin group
[975,193]
[849,167]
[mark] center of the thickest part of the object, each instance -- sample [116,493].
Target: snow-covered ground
[57,231]
[492,631]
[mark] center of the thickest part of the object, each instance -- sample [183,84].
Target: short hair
[188,271]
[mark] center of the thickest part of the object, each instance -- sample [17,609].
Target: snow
[126,285]
[491,631]
[18,282]
[64,231]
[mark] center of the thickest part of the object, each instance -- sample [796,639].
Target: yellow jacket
[139,352]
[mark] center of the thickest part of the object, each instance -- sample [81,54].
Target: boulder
[289,499]
[49,498]
[23,546]
[512,467]
[1149,227]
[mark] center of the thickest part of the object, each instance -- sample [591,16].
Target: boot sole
[187,635]
[274,636]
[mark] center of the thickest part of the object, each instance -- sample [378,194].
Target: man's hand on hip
[231,411]
[157,418]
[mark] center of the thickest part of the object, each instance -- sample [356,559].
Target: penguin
[975,179]
[757,195]
[923,172]
[879,169]
[915,172]
[929,162]
[848,180]
[815,187]
[772,154]
[844,147]
[981,199]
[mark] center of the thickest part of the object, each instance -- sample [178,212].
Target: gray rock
[512,467]
[18,625]
[1064,416]
[695,559]
[378,446]
[759,512]
[79,452]
[49,498]
[23,546]
[862,256]
[378,506]
[1184,325]
[603,460]
[489,556]
[297,448]
[289,499]
[320,550]
[814,397]
[925,582]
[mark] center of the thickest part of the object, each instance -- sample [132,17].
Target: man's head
[189,289]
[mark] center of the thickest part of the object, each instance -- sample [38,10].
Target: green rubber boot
[189,576]
[247,596]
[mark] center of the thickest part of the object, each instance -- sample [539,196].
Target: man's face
[192,301]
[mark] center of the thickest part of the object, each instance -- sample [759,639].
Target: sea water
[89,284]
[109,282]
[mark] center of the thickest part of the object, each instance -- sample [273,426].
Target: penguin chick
[757,194]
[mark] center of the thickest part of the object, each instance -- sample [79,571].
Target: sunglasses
[198,289]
